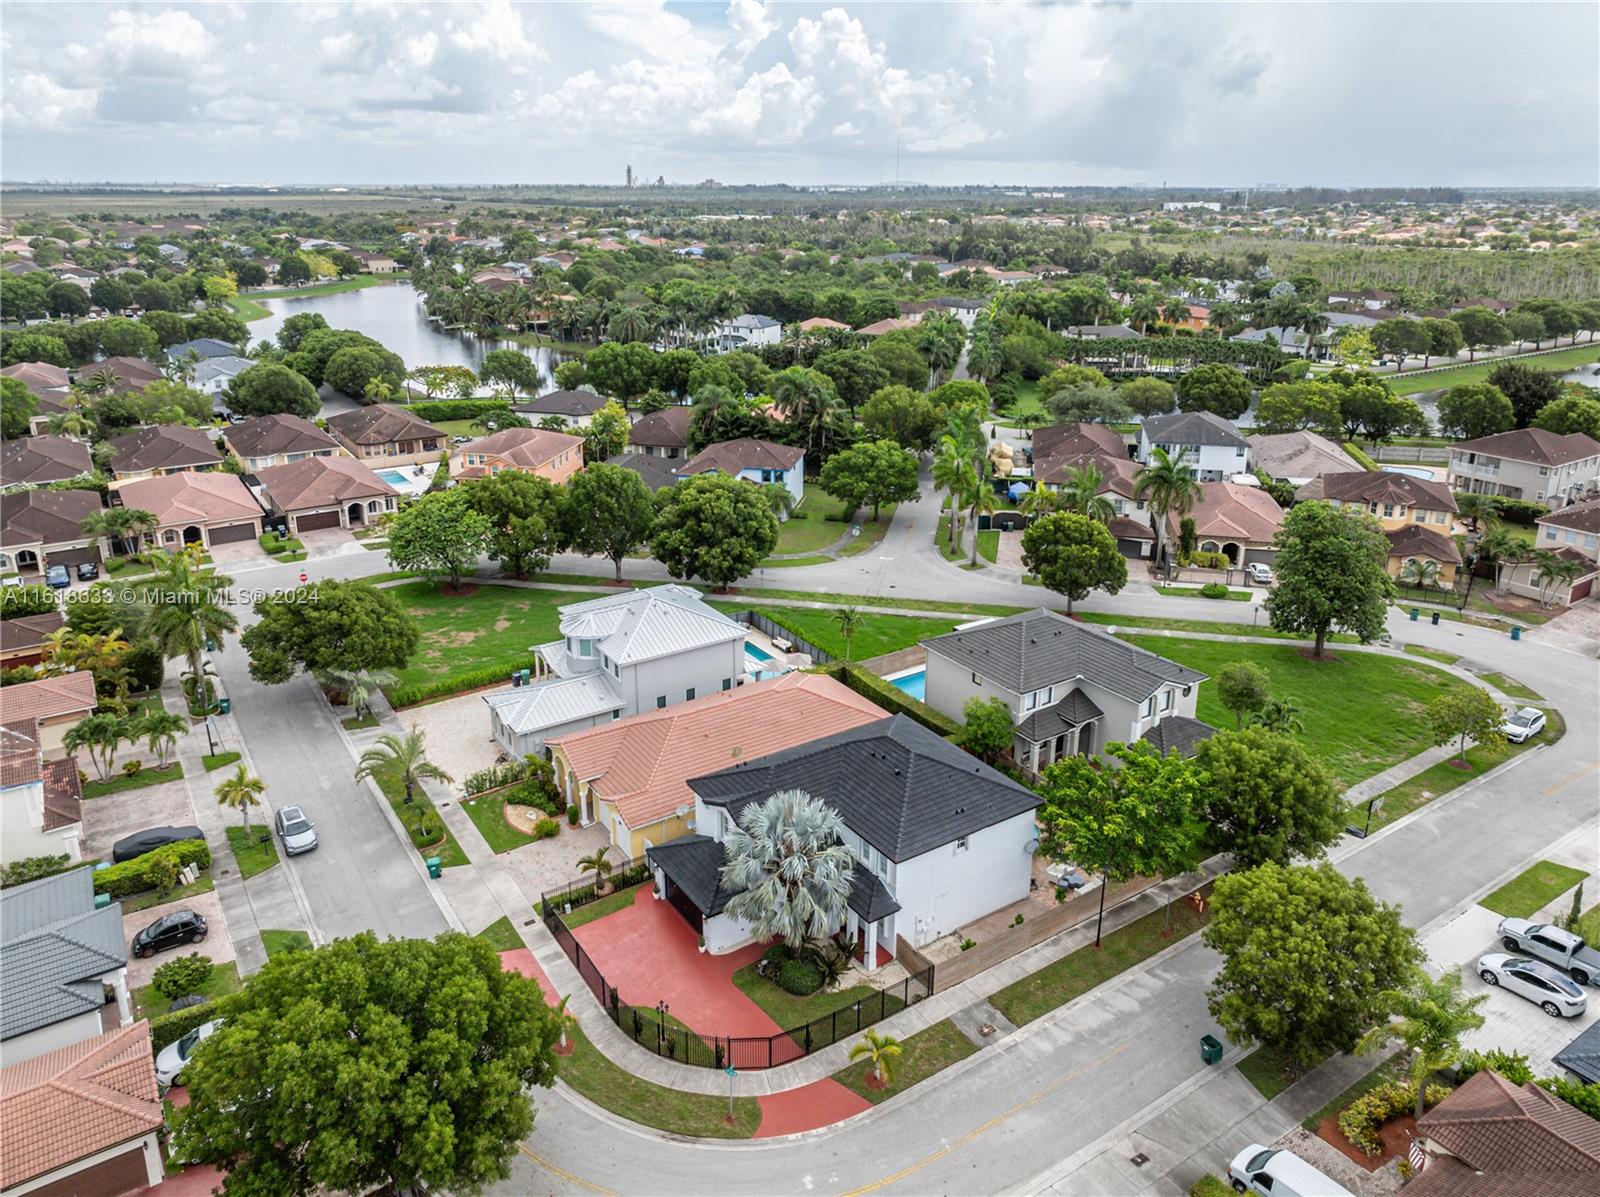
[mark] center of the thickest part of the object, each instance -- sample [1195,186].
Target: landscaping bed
[219,760]
[792,1011]
[152,897]
[1238,596]
[489,813]
[428,833]
[1538,886]
[145,777]
[224,979]
[929,1051]
[638,1100]
[253,850]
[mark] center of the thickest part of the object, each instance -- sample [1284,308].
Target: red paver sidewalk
[520,960]
[821,1103]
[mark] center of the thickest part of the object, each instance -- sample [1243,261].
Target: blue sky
[1205,94]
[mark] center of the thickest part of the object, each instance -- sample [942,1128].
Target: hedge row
[455,683]
[169,1028]
[1360,456]
[1515,511]
[457,409]
[1360,1120]
[140,874]
[896,700]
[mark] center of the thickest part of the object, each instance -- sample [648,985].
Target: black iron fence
[655,1029]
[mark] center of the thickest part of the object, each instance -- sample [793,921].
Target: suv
[1554,946]
[169,931]
[295,830]
[88,571]
[1523,723]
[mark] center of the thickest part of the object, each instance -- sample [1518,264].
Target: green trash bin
[434,867]
[224,705]
[1210,1049]
[1516,632]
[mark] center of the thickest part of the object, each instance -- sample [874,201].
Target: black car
[88,571]
[151,838]
[169,931]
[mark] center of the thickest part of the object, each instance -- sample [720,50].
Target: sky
[1339,94]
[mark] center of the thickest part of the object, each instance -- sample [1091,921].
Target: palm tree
[981,500]
[808,400]
[787,868]
[941,340]
[1477,508]
[849,621]
[1554,570]
[881,1051]
[1430,1017]
[1039,502]
[403,757]
[628,324]
[1501,547]
[98,735]
[124,525]
[1421,572]
[1279,716]
[1171,490]
[1029,420]
[1313,323]
[101,382]
[984,359]
[711,404]
[952,469]
[780,499]
[1175,311]
[1080,494]
[188,611]
[240,792]
[357,685]
[161,729]
[597,864]
[1144,311]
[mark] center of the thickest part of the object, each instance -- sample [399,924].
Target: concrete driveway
[239,553]
[457,735]
[106,820]
[329,542]
[216,944]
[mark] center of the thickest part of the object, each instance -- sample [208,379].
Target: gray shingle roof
[895,783]
[1074,710]
[1581,1057]
[1040,648]
[54,945]
[563,403]
[1178,733]
[694,864]
[1192,428]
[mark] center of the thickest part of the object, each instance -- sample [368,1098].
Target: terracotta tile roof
[382,424]
[527,448]
[1078,438]
[642,764]
[1379,486]
[817,322]
[76,1101]
[20,753]
[319,481]
[667,429]
[43,459]
[1228,511]
[189,498]
[29,631]
[163,447]
[264,436]
[1535,445]
[46,516]
[1416,541]
[63,794]
[49,697]
[745,453]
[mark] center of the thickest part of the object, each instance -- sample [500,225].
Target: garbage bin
[434,867]
[1413,615]
[1434,619]
[1210,1049]
[101,901]
[224,705]
[1516,633]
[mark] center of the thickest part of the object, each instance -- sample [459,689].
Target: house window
[586,648]
[1049,694]
[616,714]
[1166,700]
[961,844]
[688,695]
[1419,517]
[661,701]
[1032,700]
[1544,471]
[1150,706]
[1388,511]
[727,683]
[1549,533]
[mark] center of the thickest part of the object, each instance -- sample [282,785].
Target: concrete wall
[948,887]
[47,1039]
[949,685]
[702,670]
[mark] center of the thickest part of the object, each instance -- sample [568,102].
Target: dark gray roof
[894,783]
[54,945]
[656,471]
[1193,428]
[204,347]
[163,447]
[563,403]
[1040,648]
[1581,1057]
[694,863]
[1178,733]
[1074,710]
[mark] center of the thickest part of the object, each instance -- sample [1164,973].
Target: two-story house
[642,650]
[1210,446]
[41,528]
[748,331]
[388,434]
[160,449]
[574,408]
[1063,449]
[1070,687]
[553,456]
[939,838]
[757,461]
[265,441]
[663,433]
[1573,534]
[41,801]
[52,705]
[1415,513]
[1529,464]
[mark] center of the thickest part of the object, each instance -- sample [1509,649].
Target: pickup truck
[1551,944]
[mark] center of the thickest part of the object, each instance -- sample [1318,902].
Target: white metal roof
[642,625]
[555,702]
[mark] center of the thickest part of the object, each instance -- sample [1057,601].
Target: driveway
[216,944]
[238,553]
[329,542]
[457,733]
[106,820]
[545,864]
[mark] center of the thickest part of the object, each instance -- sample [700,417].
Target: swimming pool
[395,478]
[914,683]
[1413,471]
[755,661]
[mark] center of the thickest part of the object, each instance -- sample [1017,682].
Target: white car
[295,830]
[1522,724]
[1557,994]
[174,1058]
[1259,573]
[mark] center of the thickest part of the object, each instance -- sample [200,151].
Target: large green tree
[856,374]
[1306,954]
[608,512]
[510,370]
[269,389]
[1148,396]
[328,626]
[1529,390]
[1243,687]
[1215,387]
[17,407]
[875,472]
[1474,409]
[1571,413]
[1074,555]
[619,370]
[1266,798]
[715,528]
[1330,573]
[400,1064]
[352,370]
[1466,713]
[524,517]
[900,414]
[440,535]
[1480,329]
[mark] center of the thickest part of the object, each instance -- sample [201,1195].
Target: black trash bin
[1210,1049]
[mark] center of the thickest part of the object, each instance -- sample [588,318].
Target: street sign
[855,529]
[731,1070]
[305,577]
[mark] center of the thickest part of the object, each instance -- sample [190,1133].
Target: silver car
[1522,724]
[174,1058]
[1557,994]
[295,830]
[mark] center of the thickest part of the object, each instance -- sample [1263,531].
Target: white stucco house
[753,460]
[939,838]
[1212,446]
[619,655]
[41,801]
[748,331]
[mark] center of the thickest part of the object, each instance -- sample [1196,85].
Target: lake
[392,315]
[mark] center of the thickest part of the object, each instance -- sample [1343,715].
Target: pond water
[392,315]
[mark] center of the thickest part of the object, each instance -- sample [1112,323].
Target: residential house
[215,375]
[656,471]
[1238,521]
[159,449]
[41,528]
[85,1118]
[575,408]
[1573,533]
[52,704]
[49,385]
[1491,1138]
[1297,457]
[22,639]
[890,324]
[938,838]
[821,324]
[554,456]
[190,508]
[60,954]
[664,433]
[131,373]
[632,775]
[36,460]
[761,462]
[41,801]
[1061,450]
[1421,509]
[1581,1057]
[392,434]
[1070,687]
[1529,464]
[325,492]
[201,349]
[1102,332]
[748,331]
[1211,446]
[265,441]
[1369,299]
[376,263]
[619,655]
[963,309]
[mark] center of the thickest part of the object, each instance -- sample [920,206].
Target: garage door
[322,519]
[1582,589]
[232,534]
[108,1178]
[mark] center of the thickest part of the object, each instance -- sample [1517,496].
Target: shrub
[1359,1121]
[546,829]
[456,409]
[18,673]
[1360,457]
[1517,511]
[169,1028]
[1513,1066]
[184,975]
[1581,1097]
[776,955]
[799,978]
[146,667]
[455,683]
[144,872]
[1214,590]
[33,868]
[132,768]
[502,774]
[532,793]
[17,601]
[572,814]
[892,698]
[1204,560]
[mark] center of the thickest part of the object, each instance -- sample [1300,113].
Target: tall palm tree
[1169,487]
[808,401]
[1279,715]
[1501,547]
[1175,311]
[849,621]
[780,499]
[401,756]
[240,792]
[984,359]
[357,685]
[941,340]
[161,729]
[188,610]
[1477,508]
[628,324]
[124,525]
[1039,502]
[981,500]
[1144,311]
[1080,494]
[1430,1017]
[712,404]
[1554,570]
[952,469]
[788,869]
[881,1051]
[1313,323]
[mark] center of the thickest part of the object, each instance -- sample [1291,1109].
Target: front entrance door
[691,912]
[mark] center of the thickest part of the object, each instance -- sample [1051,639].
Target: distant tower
[630,178]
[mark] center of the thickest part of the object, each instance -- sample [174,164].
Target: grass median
[931,1050]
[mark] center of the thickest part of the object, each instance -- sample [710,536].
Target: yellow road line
[563,1173]
[1572,777]
[999,1119]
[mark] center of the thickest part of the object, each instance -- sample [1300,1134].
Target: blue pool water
[1426,475]
[395,477]
[914,684]
[751,650]
[754,661]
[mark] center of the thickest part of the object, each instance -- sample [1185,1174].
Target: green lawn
[358,722]
[449,852]
[865,601]
[1589,925]
[672,1110]
[218,760]
[872,531]
[1433,654]
[1567,359]
[1510,685]
[224,979]
[1268,1071]
[253,850]
[247,308]
[1238,596]
[989,545]
[795,562]
[600,907]
[151,897]
[1362,712]
[875,635]
[488,814]
[930,1050]
[1210,1186]
[1259,631]
[1524,896]
[1077,973]
[789,1010]
[145,777]
[501,935]
[279,942]
[812,531]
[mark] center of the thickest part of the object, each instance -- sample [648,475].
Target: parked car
[1522,723]
[170,931]
[1259,573]
[57,578]
[460,440]
[1277,1173]
[88,571]
[172,1059]
[1557,994]
[151,838]
[296,831]
[1554,946]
